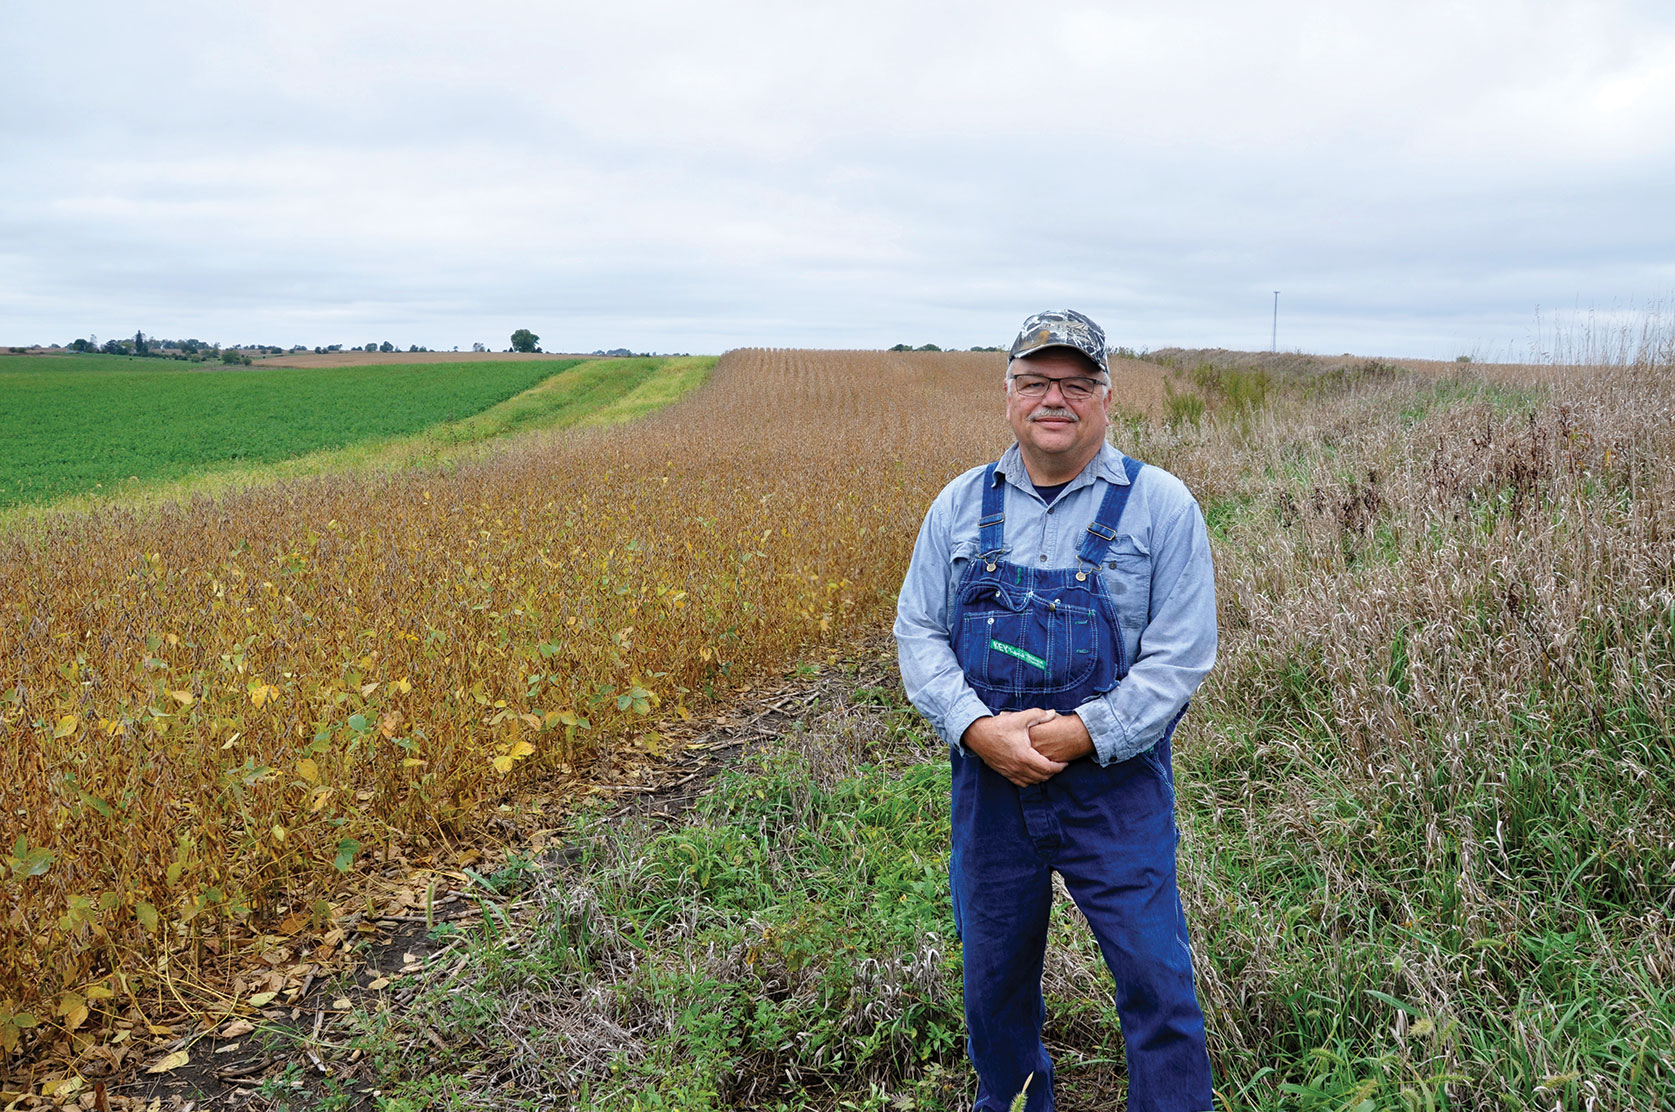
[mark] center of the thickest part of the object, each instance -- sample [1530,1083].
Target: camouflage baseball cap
[1061,328]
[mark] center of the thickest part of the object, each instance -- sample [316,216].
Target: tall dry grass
[1428,793]
[213,711]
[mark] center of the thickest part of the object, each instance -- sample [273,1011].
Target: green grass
[596,392]
[93,426]
[799,920]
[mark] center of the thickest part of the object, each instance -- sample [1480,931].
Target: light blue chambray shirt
[1157,572]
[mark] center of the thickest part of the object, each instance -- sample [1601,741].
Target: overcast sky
[1416,178]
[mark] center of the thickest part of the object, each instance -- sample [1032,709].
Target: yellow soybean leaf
[521,749]
[308,770]
[184,698]
[147,916]
[412,762]
[173,1061]
[261,999]
[402,685]
[278,833]
[66,726]
[320,797]
[503,763]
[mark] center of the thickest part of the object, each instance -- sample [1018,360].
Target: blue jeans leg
[1002,893]
[1119,867]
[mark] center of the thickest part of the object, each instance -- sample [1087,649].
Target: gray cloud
[1415,178]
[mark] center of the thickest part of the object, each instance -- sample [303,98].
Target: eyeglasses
[1073,389]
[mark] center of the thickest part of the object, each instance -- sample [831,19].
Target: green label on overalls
[1013,650]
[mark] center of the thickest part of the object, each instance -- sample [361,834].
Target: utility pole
[1274,343]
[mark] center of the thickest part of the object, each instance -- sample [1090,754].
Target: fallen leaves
[171,1062]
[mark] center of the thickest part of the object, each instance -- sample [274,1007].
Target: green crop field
[78,425]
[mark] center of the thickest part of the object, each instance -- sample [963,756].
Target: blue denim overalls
[1049,637]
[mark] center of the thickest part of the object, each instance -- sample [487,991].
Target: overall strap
[991,535]
[1104,527]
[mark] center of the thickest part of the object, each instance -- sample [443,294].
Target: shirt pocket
[1126,572]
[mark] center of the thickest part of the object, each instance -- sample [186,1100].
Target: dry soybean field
[1426,802]
[219,708]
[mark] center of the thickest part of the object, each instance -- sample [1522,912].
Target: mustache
[1054,412]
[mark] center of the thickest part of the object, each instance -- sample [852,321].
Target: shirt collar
[1106,465]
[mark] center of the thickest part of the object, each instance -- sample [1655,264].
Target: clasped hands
[1028,746]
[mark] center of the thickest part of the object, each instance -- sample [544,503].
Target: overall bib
[1050,638]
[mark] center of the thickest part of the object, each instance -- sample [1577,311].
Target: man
[1058,613]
